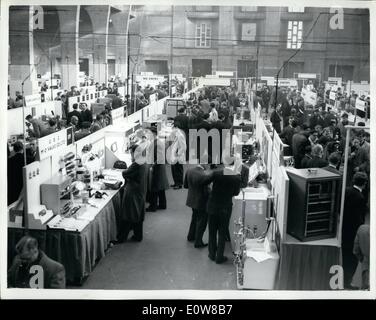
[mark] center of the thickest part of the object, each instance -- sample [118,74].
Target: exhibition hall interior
[188,147]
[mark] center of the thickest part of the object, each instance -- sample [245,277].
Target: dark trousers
[198,225]
[350,263]
[218,228]
[158,200]
[126,226]
[177,173]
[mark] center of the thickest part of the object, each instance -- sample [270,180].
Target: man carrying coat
[197,181]
[133,204]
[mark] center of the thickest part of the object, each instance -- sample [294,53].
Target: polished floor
[164,260]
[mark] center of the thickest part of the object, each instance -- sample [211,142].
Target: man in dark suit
[317,161]
[182,119]
[28,256]
[361,251]
[86,115]
[355,209]
[15,173]
[196,181]
[288,132]
[226,184]
[298,144]
[334,160]
[75,112]
[275,118]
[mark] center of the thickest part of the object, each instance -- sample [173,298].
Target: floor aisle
[164,260]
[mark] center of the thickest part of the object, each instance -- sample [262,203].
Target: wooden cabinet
[314,204]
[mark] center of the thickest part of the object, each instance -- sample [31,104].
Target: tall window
[203,35]
[296,9]
[294,34]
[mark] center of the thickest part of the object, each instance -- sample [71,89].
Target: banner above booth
[152,80]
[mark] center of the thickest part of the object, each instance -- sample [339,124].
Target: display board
[280,192]
[151,80]
[87,98]
[307,75]
[33,100]
[266,146]
[309,96]
[224,82]
[271,81]
[360,105]
[335,81]
[117,115]
[52,143]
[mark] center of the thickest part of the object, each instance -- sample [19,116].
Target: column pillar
[100,16]
[119,40]
[21,51]
[69,27]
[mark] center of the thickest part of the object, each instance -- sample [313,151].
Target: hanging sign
[307,75]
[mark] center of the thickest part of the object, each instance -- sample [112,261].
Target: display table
[306,265]
[77,251]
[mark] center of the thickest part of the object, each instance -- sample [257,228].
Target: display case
[314,203]
[54,191]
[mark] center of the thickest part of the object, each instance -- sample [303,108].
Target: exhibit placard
[360,105]
[33,100]
[281,82]
[52,143]
[117,115]
[224,74]
[307,75]
[152,98]
[214,82]
[335,81]
[151,80]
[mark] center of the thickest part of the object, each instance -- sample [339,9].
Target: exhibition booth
[72,195]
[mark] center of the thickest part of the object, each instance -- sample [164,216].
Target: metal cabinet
[313,208]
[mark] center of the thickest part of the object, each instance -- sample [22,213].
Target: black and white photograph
[187,150]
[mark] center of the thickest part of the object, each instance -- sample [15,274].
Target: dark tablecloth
[77,251]
[307,267]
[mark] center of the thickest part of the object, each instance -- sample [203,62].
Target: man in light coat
[178,155]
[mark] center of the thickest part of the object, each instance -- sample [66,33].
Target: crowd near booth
[296,151]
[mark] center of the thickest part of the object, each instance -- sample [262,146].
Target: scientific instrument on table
[251,250]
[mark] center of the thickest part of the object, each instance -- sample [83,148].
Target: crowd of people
[211,186]
[316,138]
[80,119]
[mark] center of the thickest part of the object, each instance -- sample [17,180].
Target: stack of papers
[259,256]
[69,224]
